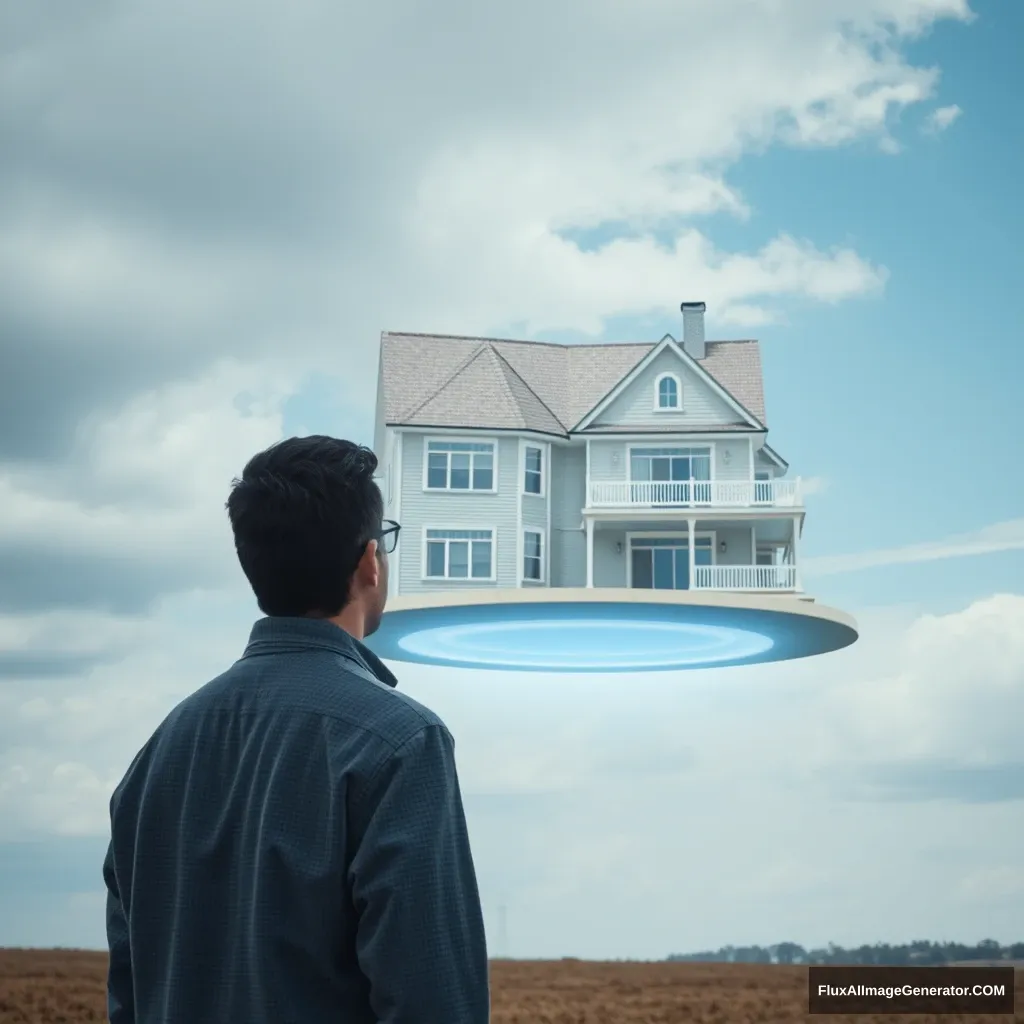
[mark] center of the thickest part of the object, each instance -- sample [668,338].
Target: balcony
[745,577]
[627,494]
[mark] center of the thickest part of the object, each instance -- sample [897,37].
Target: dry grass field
[67,987]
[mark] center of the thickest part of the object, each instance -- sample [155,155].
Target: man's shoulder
[328,686]
[393,715]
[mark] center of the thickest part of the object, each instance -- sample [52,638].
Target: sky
[208,214]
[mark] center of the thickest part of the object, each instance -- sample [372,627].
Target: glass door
[659,563]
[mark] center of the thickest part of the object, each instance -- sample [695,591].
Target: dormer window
[667,392]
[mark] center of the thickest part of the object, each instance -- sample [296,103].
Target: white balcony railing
[744,577]
[686,493]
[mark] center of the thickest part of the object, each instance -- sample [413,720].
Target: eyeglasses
[388,536]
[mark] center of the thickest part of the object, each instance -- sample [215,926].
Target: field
[67,987]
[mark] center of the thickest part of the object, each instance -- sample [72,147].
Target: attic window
[667,393]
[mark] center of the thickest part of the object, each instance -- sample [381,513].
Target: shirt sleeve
[120,988]
[420,933]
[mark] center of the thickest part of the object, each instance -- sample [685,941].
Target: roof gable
[625,402]
[700,404]
[441,381]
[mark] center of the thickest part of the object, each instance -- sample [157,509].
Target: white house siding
[737,542]
[700,405]
[609,459]
[609,562]
[568,544]
[535,512]
[453,510]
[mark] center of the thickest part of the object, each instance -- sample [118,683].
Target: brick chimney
[693,328]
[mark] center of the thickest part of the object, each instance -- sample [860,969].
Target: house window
[533,474]
[669,464]
[666,392]
[460,555]
[460,466]
[533,556]
[765,556]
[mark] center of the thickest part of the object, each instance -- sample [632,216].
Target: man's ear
[368,569]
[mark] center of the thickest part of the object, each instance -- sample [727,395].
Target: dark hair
[302,515]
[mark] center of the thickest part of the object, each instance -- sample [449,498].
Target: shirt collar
[277,634]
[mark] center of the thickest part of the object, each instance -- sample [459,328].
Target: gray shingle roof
[447,381]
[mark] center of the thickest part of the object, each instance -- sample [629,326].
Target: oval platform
[604,629]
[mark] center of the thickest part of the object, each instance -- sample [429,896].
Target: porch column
[689,545]
[590,552]
[794,551]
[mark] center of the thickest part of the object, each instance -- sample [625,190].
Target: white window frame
[448,489]
[658,407]
[675,446]
[527,447]
[475,528]
[667,535]
[541,557]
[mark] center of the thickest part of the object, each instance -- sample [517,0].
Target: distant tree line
[913,953]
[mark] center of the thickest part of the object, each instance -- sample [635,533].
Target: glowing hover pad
[605,629]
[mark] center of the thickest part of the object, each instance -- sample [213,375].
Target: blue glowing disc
[605,630]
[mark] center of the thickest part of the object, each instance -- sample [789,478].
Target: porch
[694,554]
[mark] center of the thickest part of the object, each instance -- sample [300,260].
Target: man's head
[307,517]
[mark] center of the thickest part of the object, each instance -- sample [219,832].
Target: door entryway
[663,563]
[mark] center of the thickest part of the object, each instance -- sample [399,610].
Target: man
[290,845]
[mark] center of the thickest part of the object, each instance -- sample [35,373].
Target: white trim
[691,540]
[797,527]
[521,463]
[547,546]
[476,527]
[678,407]
[725,514]
[774,456]
[396,565]
[455,439]
[452,433]
[586,493]
[589,527]
[689,362]
[671,535]
[682,437]
[523,445]
[527,581]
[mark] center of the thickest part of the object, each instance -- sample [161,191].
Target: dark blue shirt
[290,846]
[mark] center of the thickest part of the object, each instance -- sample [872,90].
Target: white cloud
[144,492]
[951,691]
[1005,536]
[262,207]
[812,485]
[941,118]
